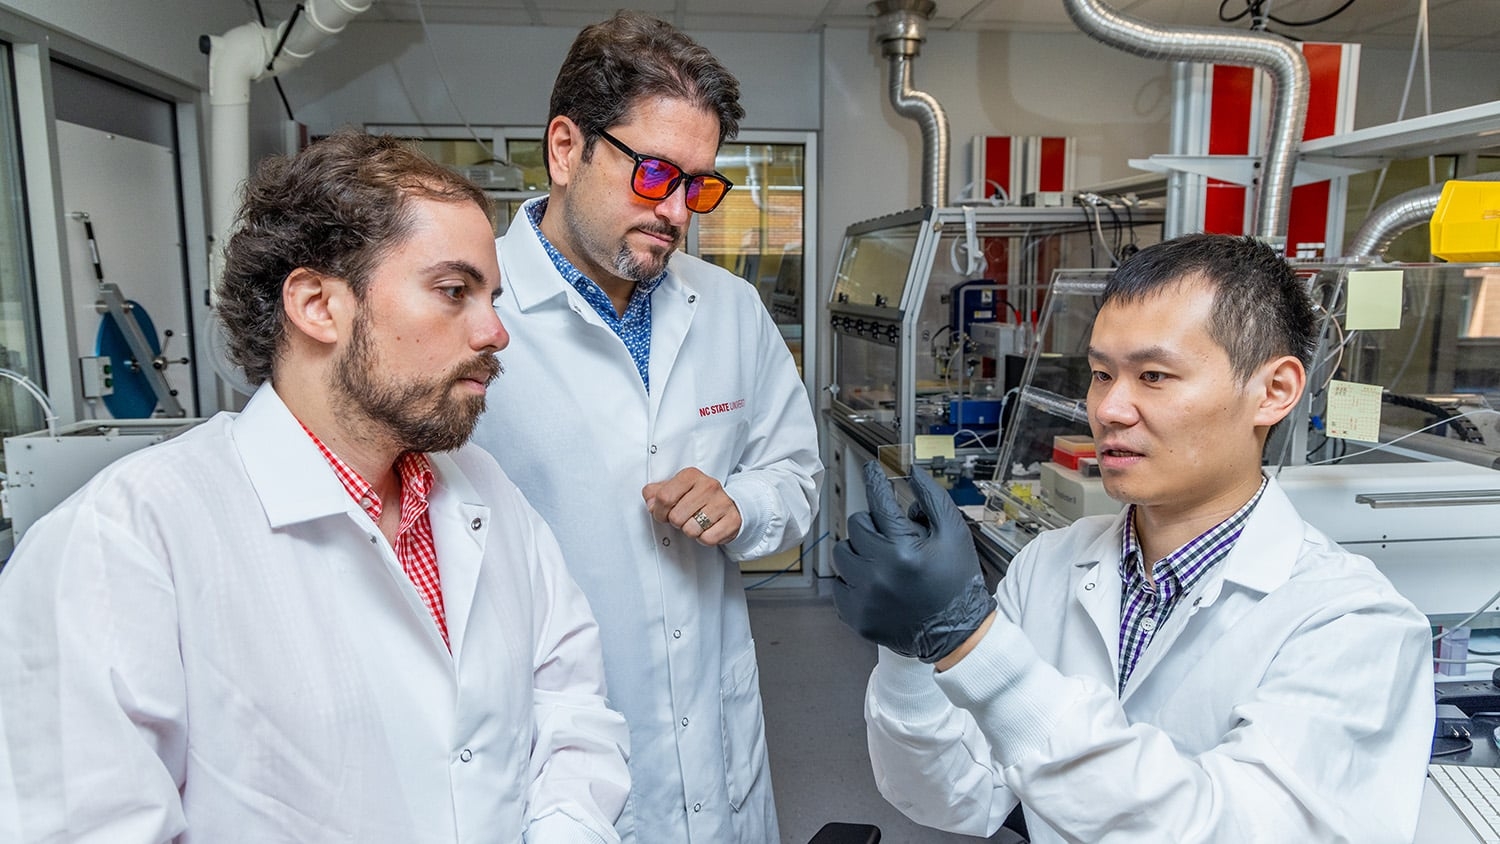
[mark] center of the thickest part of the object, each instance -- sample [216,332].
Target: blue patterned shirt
[632,327]
[1145,606]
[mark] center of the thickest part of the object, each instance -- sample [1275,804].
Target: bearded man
[323,618]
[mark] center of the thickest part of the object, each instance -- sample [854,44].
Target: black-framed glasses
[655,178]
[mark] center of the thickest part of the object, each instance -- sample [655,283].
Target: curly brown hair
[337,208]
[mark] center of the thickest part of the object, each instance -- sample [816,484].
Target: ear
[1279,383]
[312,302]
[564,147]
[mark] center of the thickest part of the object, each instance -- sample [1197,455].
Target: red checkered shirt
[415,549]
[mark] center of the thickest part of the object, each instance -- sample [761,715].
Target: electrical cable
[1344,340]
[1119,228]
[285,103]
[1386,445]
[1418,40]
[1254,8]
[1466,430]
[1467,661]
[1461,745]
[438,66]
[977,438]
[789,566]
[1099,226]
[50,415]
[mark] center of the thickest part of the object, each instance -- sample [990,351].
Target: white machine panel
[42,470]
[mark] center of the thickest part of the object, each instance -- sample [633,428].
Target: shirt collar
[1188,563]
[412,468]
[574,276]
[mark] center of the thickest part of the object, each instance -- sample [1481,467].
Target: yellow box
[1466,226]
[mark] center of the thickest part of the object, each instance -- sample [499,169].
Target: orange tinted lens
[705,192]
[655,179]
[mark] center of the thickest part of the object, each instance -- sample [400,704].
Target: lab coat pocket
[718,445]
[743,725]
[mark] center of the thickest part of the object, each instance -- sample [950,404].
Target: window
[758,231]
[19,412]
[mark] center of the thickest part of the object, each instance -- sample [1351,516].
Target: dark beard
[419,415]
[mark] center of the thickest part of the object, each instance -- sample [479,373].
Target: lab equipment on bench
[927,307]
[44,467]
[1394,451]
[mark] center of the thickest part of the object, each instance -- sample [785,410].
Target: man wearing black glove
[1203,667]
[928,597]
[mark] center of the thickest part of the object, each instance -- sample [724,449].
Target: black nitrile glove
[910,583]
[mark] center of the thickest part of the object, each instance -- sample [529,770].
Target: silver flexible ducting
[900,30]
[1272,53]
[1397,215]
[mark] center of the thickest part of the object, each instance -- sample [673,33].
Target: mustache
[485,368]
[663,229]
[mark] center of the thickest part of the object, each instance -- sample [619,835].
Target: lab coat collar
[1268,547]
[289,475]
[1261,559]
[529,276]
[526,271]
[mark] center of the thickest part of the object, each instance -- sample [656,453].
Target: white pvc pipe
[236,59]
[321,20]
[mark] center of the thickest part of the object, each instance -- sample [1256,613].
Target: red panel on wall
[1324,62]
[997,164]
[1307,222]
[1228,134]
[1053,170]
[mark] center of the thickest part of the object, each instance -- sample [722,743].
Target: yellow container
[1466,226]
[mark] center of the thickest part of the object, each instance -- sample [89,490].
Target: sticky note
[1353,411]
[1374,300]
[928,446]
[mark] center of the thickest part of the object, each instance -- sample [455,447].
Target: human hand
[910,582]
[680,500]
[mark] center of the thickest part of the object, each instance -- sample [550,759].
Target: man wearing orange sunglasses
[652,413]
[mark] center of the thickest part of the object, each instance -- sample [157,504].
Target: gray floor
[812,679]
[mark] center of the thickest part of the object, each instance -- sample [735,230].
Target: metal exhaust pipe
[1397,215]
[900,28]
[1272,53]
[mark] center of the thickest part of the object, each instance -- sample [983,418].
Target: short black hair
[1261,309]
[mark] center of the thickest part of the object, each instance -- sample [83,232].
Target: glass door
[19,412]
[762,232]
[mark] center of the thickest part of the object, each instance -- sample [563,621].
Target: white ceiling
[1454,24]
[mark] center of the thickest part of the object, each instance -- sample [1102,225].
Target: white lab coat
[211,642]
[572,424]
[1288,698]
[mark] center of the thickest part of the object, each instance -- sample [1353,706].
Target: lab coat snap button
[692,299]
[684,722]
[666,540]
[697,807]
[476,524]
[653,448]
[1088,587]
[676,634]
[466,755]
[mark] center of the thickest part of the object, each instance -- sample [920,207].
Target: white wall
[384,73]
[161,35]
[1116,105]
[1459,78]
